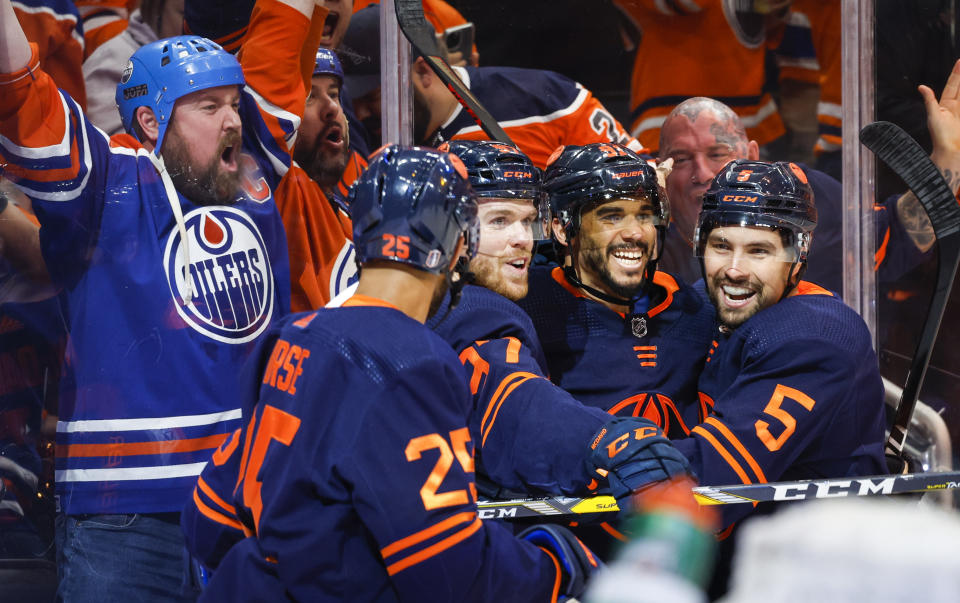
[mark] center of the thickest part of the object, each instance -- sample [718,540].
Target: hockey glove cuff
[577,563]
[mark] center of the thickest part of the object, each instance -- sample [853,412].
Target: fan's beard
[204,185]
[324,169]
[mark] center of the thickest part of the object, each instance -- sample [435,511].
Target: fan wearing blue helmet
[172,257]
[792,382]
[361,487]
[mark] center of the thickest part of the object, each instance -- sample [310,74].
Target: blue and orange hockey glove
[633,453]
[577,563]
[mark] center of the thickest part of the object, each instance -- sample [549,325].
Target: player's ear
[145,122]
[559,233]
[422,73]
[753,151]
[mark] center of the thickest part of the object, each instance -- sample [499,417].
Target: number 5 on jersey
[457,448]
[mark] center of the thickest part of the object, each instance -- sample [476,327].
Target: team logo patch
[344,271]
[127,72]
[229,271]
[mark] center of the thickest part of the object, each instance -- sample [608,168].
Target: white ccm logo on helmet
[230,274]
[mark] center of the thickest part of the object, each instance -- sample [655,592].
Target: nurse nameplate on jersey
[229,272]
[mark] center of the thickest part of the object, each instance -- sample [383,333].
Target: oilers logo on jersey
[344,271]
[229,272]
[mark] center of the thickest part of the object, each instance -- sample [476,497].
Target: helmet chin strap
[455,287]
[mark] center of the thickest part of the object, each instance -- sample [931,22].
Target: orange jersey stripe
[513,350]
[757,471]
[435,549]
[140,448]
[208,491]
[555,593]
[723,452]
[425,534]
[609,529]
[215,515]
[517,383]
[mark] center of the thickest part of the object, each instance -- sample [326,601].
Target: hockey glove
[633,453]
[575,560]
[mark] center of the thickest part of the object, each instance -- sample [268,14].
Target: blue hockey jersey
[154,370]
[355,469]
[592,353]
[531,436]
[796,394]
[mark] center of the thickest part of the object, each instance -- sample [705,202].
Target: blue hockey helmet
[411,205]
[327,63]
[161,72]
[759,193]
[497,170]
[584,176]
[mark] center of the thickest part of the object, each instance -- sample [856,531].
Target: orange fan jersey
[103,19]
[319,237]
[54,26]
[810,52]
[689,48]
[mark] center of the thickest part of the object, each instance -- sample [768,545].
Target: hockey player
[617,333]
[792,377]
[702,135]
[530,435]
[356,476]
[539,110]
[173,261]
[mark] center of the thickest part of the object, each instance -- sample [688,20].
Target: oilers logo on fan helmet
[230,275]
[411,205]
[160,72]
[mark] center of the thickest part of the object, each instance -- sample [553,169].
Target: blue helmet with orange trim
[327,63]
[497,170]
[161,72]
[584,176]
[759,193]
[411,205]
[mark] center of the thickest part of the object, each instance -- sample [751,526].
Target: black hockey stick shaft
[422,37]
[562,508]
[909,161]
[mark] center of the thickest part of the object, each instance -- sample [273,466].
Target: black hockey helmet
[411,205]
[759,193]
[497,169]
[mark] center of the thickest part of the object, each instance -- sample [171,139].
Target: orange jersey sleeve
[54,27]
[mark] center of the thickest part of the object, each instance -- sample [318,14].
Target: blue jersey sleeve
[530,434]
[810,406]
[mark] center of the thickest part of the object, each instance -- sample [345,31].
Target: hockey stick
[421,35]
[905,157]
[564,507]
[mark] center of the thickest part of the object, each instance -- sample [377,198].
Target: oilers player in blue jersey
[617,333]
[173,260]
[531,436]
[792,380]
[355,462]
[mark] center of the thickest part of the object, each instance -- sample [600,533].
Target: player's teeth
[736,290]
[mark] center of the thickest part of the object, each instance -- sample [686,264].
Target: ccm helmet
[759,193]
[411,205]
[161,72]
[496,169]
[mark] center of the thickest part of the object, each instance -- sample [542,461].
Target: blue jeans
[106,558]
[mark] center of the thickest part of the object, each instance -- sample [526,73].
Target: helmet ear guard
[161,72]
